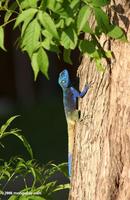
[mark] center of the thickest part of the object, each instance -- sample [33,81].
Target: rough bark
[101,164]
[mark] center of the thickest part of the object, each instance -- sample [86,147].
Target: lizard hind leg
[72,117]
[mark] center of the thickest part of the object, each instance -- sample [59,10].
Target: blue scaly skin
[70,95]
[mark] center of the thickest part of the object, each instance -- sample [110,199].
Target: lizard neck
[65,89]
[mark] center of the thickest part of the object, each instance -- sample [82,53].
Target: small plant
[42,186]
[16,132]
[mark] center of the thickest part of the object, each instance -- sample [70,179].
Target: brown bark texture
[101,161]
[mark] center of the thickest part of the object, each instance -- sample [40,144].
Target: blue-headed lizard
[70,95]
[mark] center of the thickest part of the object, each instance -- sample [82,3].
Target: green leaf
[14,197]
[66,56]
[43,62]
[48,23]
[5,172]
[50,45]
[2,38]
[116,32]
[46,43]
[22,138]
[63,168]
[62,187]
[9,12]
[97,54]
[86,46]
[68,21]
[47,34]
[108,54]
[29,3]
[25,24]
[60,23]
[102,19]
[33,172]
[35,66]
[31,37]
[87,28]
[6,125]
[74,4]
[24,16]
[32,197]
[83,16]
[87,1]
[99,65]
[43,5]
[100,3]
[69,38]
[65,11]
[51,4]
[40,62]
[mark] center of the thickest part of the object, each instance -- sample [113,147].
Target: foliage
[43,184]
[46,25]
[16,132]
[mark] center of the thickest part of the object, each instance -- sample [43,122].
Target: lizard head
[64,80]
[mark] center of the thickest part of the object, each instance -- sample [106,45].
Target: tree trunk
[101,161]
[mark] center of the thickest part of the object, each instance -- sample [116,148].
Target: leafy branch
[47,25]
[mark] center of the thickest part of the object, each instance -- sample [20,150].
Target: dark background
[39,104]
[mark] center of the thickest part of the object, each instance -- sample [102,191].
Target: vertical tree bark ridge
[101,165]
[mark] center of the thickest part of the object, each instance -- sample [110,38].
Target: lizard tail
[71,127]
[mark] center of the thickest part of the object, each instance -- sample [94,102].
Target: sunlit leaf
[2,38]
[67,56]
[102,19]
[116,32]
[29,3]
[48,24]
[24,16]
[14,197]
[31,37]
[43,61]
[22,138]
[108,54]
[99,66]
[6,125]
[34,64]
[86,46]
[62,187]
[10,11]
[87,28]
[69,38]
[100,3]
[50,45]
[74,4]
[83,16]
[51,4]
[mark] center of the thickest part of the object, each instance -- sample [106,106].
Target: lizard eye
[63,81]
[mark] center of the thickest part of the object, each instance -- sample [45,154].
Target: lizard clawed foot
[85,118]
[90,84]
